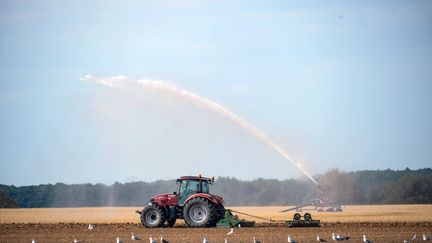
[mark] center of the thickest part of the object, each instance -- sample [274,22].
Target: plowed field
[380,223]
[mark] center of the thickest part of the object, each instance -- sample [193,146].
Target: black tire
[153,217]
[170,222]
[307,216]
[297,217]
[199,212]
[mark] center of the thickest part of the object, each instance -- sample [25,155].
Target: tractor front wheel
[153,217]
[199,212]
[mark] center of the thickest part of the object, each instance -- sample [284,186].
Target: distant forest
[360,187]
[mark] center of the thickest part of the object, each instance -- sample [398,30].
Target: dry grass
[366,213]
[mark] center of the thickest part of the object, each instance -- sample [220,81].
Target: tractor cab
[189,185]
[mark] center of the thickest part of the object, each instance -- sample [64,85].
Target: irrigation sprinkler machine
[193,202]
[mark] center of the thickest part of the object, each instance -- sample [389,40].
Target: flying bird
[135,237]
[230,232]
[291,240]
[365,240]
[118,240]
[90,227]
[320,240]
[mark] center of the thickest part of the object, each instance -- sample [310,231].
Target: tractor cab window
[205,187]
[187,188]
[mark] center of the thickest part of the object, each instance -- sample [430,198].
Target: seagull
[320,240]
[34,240]
[163,240]
[426,238]
[340,238]
[334,237]
[118,240]
[239,226]
[134,237]
[230,232]
[77,241]
[255,240]
[152,240]
[226,241]
[90,227]
[365,240]
[414,237]
[205,240]
[291,240]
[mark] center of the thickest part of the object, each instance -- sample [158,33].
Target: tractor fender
[212,198]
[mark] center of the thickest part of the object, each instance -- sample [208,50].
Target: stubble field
[383,223]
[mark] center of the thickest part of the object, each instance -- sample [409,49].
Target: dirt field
[380,223]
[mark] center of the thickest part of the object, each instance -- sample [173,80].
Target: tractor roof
[197,178]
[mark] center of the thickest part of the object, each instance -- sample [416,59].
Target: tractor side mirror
[174,193]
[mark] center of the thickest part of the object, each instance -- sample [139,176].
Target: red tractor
[192,202]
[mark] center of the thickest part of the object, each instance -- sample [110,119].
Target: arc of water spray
[196,99]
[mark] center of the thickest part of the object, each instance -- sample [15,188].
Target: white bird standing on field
[152,240]
[414,237]
[77,241]
[320,240]
[226,241]
[291,240]
[337,237]
[426,238]
[365,240]
[34,240]
[118,240]
[205,240]
[90,227]
[135,237]
[334,236]
[255,240]
[230,232]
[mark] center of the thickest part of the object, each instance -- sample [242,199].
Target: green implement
[230,220]
[305,221]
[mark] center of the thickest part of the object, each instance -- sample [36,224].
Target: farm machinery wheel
[307,216]
[153,217]
[199,212]
[297,217]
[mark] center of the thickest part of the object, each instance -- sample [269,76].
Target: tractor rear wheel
[153,217]
[199,212]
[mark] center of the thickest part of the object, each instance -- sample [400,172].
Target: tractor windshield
[205,187]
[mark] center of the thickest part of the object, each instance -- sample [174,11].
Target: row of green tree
[360,187]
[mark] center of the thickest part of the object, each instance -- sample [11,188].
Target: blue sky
[339,85]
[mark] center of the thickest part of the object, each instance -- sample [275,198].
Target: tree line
[360,187]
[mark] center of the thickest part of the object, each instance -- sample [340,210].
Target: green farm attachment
[305,221]
[231,220]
